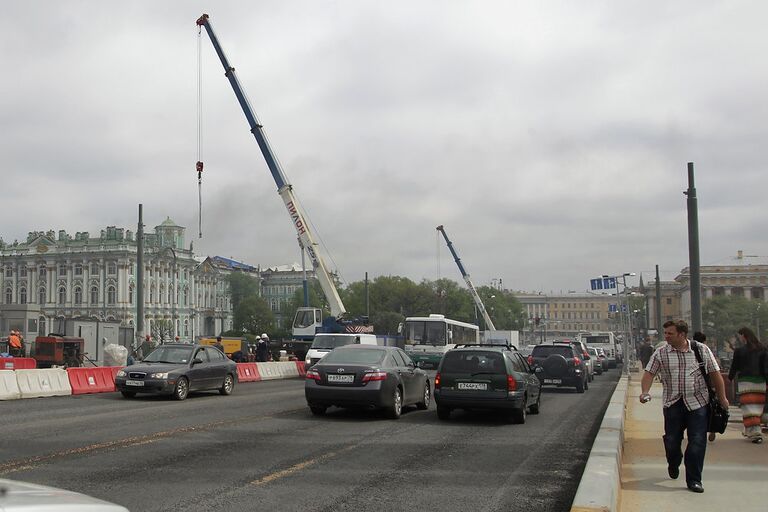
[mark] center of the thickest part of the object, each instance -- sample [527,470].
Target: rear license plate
[553,381]
[478,386]
[134,383]
[340,378]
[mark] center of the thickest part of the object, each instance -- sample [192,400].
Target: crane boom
[475,296]
[284,188]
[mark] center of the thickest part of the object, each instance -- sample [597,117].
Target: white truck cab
[324,343]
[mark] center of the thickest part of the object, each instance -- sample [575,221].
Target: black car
[366,376]
[559,364]
[486,377]
[176,369]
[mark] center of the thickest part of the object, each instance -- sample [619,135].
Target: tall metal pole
[367,298]
[659,323]
[629,327]
[140,278]
[693,251]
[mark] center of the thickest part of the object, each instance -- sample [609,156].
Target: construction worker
[262,348]
[14,344]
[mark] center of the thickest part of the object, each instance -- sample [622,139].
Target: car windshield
[547,350]
[333,341]
[473,362]
[177,355]
[352,356]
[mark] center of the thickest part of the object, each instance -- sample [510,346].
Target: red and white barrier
[17,363]
[100,379]
[247,372]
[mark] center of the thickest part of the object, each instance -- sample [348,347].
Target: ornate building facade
[51,278]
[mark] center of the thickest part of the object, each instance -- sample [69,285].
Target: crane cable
[199,165]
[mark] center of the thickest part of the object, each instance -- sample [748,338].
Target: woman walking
[748,363]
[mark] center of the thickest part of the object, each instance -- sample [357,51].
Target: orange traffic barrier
[17,363]
[99,379]
[301,366]
[248,372]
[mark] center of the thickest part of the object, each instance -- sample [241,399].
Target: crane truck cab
[324,343]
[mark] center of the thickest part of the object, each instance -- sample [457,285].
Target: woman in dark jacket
[749,365]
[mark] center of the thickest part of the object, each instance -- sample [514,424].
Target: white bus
[606,341]
[427,338]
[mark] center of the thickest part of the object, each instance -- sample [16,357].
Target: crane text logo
[297,220]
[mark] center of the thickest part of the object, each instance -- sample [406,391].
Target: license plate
[479,386]
[134,383]
[553,381]
[340,378]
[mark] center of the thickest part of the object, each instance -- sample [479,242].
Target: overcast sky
[550,138]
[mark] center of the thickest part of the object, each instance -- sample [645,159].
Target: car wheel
[128,394]
[318,410]
[181,390]
[517,416]
[396,408]
[580,386]
[424,404]
[443,412]
[534,409]
[228,386]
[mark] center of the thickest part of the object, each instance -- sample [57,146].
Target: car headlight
[121,373]
[158,375]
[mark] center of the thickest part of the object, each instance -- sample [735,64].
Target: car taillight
[530,360]
[371,376]
[314,375]
[437,380]
[585,355]
[576,361]
[511,383]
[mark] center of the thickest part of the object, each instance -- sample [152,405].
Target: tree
[162,331]
[723,315]
[253,315]
[241,286]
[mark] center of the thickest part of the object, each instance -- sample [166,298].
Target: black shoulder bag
[718,415]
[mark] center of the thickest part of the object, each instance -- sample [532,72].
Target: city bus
[427,338]
[605,340]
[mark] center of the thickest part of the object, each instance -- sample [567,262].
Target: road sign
[609,282]
[596,284]
[613,308]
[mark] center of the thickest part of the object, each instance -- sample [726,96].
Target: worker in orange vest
[14,344]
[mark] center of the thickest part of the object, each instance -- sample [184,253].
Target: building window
[94,295]
[41,272]
[170,294]
[9,295]
[94,269]
[78,269]
[186,297]
[130,295]
[111,295]
[23,271]
[78,295]
[669,301]
[186,327]
[41,326]
[41,296]
[62,269]
[62,295]
[111,268]
[22,295]
[8,271]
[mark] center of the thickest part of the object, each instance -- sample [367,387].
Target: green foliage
[723,315]
[253,315]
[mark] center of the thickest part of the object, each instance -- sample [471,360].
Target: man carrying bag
[686,397]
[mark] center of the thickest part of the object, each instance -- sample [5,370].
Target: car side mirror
[196,360]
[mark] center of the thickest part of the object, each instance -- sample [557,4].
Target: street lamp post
[628,325]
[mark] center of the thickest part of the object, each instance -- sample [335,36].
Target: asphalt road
[261,448]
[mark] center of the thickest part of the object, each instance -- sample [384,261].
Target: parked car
[366,376]
[27,497]
[176,369]
[597,362]
[486,377]
[559,364]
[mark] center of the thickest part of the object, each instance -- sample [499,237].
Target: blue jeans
[676,420]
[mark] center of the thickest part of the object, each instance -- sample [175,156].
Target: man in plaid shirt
[685,399]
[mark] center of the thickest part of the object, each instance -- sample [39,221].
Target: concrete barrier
[43,382]
[287,370]
[9,387]
[17,363]
[247,372]
[601,482]
[268,371]
[100,379]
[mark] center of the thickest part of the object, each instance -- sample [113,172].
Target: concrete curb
[601,482]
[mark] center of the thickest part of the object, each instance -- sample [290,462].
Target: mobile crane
[475,296]
[308,320]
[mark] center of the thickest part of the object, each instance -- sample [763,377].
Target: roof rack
[470,345]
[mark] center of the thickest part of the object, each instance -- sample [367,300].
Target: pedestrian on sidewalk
[645,352]
[749,366]
[685,399]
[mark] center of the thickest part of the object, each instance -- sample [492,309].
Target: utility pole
[140,278]
[659,323]
[693,251]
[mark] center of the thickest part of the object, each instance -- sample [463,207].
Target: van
[324,343]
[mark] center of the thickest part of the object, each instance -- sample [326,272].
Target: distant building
[51,278]
[279,284]
[565,315]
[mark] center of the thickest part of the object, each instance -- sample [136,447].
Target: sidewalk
[735,471]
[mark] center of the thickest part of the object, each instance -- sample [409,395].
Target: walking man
[685,399]
[645,351]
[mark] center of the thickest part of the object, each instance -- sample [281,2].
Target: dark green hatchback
[486,377]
